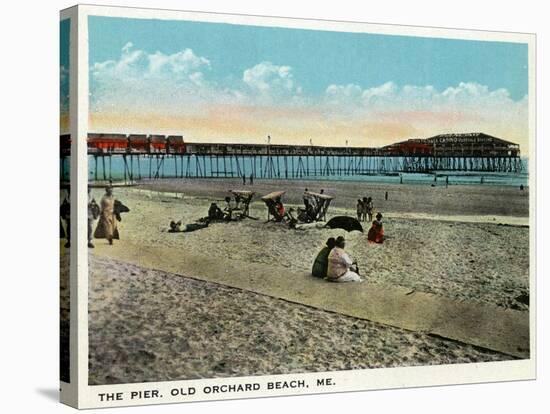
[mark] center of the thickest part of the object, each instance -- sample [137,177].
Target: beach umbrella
[345,223]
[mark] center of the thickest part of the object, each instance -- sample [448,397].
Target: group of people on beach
[365,207]
[108,211]
[215,213]
[334,264]
[235,209]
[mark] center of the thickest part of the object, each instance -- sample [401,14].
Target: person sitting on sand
[279,207]
[238,201]
[291,220]
[376,232]
[320,265]
[308,213]
[229,207]
[340,266]
[359,209]
[215,213]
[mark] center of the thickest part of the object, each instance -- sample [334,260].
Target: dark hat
[378,215]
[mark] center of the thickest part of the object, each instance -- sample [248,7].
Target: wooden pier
[159,156]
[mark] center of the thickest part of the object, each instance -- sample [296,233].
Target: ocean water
[318,168]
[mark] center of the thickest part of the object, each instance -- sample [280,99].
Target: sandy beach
[468,243]
[147,325]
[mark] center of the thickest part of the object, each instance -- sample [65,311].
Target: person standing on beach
[359,210]
[364,215]
[251,179]
[340,266]
[244,179]
[107,225]
[369,207]
[93,214]
[65,213]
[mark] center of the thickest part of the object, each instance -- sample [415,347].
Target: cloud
[138,64]
[271,81]
[342,94]
[141,80]
[466,107]
[178,90]
[138,80]
[389,97]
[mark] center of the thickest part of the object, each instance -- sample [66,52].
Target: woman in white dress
[340,266]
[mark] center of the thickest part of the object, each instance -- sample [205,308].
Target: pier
[158,156]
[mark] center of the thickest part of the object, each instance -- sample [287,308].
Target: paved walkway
[487,326]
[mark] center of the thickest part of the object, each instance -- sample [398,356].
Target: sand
[481,261]
[462,243]
[148,325]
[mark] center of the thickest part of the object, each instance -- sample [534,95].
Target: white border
[345,380]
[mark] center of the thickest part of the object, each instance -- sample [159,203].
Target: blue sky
[225,82]
[321,58]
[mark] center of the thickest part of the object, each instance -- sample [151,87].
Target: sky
[64,38]
[234,83]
